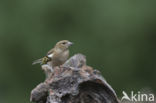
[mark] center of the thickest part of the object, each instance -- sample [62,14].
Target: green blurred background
[117,36]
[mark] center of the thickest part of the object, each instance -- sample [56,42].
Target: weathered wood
[74,82]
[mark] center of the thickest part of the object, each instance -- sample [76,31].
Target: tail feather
[37,61]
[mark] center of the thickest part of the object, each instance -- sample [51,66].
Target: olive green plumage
[56,56]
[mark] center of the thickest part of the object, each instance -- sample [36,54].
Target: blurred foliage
[117,36]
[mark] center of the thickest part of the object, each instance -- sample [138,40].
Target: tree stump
[74,82]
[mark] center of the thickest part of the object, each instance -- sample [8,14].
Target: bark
[74,82]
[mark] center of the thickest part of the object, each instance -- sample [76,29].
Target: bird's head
[63,44]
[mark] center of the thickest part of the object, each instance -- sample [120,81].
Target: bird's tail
[37,61]
[42,61]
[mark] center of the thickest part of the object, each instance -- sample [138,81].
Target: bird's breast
[60,58]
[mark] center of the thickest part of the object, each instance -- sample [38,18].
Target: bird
[57,55]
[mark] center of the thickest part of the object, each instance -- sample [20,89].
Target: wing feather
[50,53]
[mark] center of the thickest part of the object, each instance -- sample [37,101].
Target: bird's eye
[64,43]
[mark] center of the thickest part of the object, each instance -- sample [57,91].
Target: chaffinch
[56,56]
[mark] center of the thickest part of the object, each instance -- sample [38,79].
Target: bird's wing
[50,53]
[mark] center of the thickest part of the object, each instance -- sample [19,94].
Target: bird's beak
[70,43]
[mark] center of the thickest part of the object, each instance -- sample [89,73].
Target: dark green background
[117,36]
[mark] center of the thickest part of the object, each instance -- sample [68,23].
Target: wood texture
[74,82]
